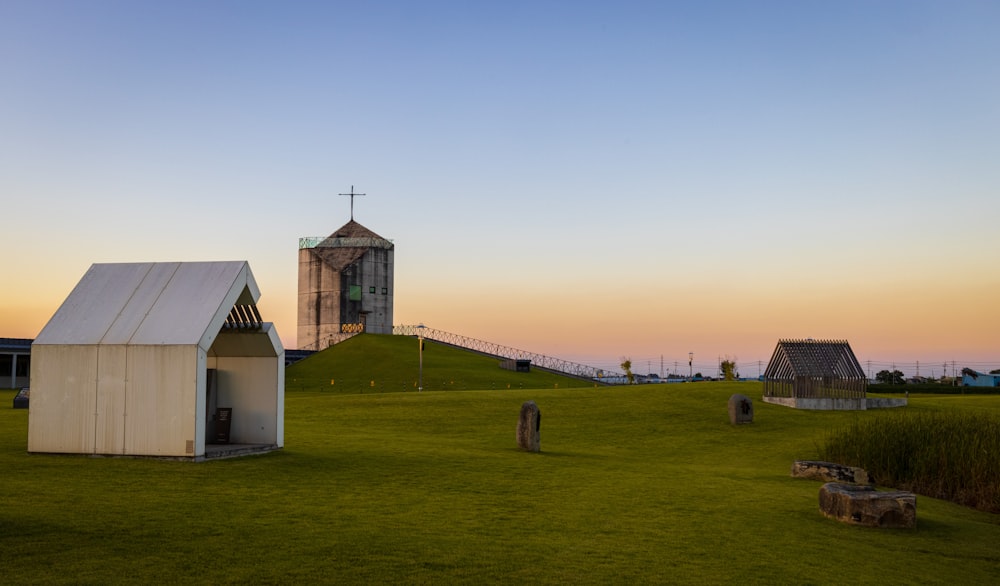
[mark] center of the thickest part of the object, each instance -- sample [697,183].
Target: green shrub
[947,455]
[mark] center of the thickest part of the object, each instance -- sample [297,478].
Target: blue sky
[582,179]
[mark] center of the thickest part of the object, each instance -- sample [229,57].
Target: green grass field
[642,484]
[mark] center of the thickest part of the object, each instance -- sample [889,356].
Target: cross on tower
[352,194]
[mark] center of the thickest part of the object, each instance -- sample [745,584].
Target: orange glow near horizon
[929,320]
[908,321]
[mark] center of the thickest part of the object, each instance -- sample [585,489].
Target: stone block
[830,472]
[863,505]
[740,409]
[529,427]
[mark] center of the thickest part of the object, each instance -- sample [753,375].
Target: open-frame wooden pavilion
[814,369]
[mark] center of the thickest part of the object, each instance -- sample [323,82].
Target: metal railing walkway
[539,360]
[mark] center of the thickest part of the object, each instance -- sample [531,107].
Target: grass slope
[372,363]
[634,484]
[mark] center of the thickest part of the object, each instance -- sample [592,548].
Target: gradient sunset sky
[587,180]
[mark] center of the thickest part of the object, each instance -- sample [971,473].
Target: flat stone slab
[830,472]
[865,506]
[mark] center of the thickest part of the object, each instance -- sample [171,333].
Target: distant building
[516,364]
[15,362]
[972,378]
[345,286]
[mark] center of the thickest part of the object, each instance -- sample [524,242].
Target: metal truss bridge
[500,351]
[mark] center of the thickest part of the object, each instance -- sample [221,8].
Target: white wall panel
[63,394]
[112,374]
[160,400]
[248,386]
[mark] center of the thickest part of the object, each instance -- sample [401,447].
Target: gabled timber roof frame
[814,369]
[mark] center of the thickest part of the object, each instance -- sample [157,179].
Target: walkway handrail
[501,351]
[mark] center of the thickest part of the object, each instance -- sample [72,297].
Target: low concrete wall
[882,403]
[786,401]
[836,404]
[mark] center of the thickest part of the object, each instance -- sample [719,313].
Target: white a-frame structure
[140,357]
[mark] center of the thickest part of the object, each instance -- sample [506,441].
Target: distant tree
[697,375]
[627,367]
[890,378]
[728,367]
[995,371]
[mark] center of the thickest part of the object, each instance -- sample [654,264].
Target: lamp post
[420,351]
[690,367]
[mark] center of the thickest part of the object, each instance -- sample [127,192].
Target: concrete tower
[345,286]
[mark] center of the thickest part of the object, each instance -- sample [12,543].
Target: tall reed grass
[952,456]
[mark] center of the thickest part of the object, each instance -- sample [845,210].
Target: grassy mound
[947,455]
[371,363]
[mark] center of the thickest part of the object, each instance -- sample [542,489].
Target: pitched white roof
[151,303]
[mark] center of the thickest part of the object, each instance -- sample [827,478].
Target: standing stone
[863,505]
[528,426]
[740,409]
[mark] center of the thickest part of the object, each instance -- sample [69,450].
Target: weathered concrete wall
[376,290]
[324,303]
[786,401]
[836,404]
[319,301]
[882,403]
[831,404]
